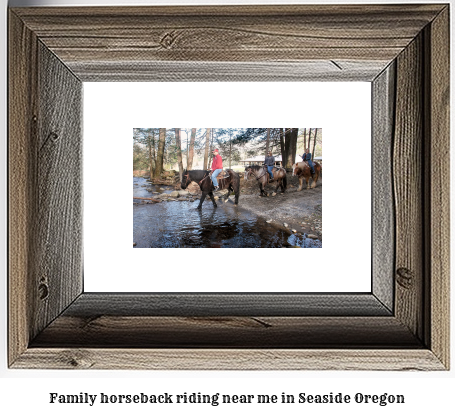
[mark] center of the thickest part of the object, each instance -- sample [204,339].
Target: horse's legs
[236,190]
[315,178]
[213,199]
[261,186]
[300,184]
[278,184]
[229,188]
[307,178]
[204,194]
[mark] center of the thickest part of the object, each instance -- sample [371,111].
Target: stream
[178,224]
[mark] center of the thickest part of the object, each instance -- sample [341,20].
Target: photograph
[227,188]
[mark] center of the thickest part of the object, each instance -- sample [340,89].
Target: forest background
[158,149]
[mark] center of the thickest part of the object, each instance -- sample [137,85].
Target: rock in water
[175,194]
[134,243]
[285,225]
[312,236]
[293,230]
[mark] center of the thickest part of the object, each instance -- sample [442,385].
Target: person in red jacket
[217,166]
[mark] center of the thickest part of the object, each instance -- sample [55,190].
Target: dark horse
[202,178]
[261,174]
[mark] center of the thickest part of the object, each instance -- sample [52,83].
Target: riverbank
[298,211]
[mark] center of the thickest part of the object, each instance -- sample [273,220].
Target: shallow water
[180,225]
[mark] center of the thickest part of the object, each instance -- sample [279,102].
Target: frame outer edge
[408,187]
[229,359]
[22,95]
[23,111]
[440,187]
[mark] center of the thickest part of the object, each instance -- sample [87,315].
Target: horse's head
[297,168]
[185,179]
[247,173]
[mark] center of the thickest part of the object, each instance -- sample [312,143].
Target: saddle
[308,165]
[223,175]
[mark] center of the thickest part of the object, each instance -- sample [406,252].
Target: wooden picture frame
[403,324]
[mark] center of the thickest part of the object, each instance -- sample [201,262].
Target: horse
[262,176]
[202,177]
[303,171]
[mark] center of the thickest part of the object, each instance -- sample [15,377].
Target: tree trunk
[189,164]
[283,148]
[151,146]
[268,142]
[314,145]
[207,145]
[293,145]
[290,144]
[179,152]
[160,155]
[230,147]
[304,139]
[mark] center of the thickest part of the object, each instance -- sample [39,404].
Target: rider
[270,162]
[307,157]
[217,166]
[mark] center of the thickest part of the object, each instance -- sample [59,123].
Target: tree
[290,146]
[314,145]
[144,138]
[207,145]
[304,138]
[160,155]
[189,163]
[268,141]
[179,152]
[151,146]
[282,147]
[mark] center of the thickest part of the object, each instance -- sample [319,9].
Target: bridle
[188,180]
[250,170]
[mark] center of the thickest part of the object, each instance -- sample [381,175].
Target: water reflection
[180,224]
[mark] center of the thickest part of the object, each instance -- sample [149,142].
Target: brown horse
[303,171]
[261,174]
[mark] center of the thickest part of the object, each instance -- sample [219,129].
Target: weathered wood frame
[403,50]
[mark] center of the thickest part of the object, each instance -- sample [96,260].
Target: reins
[204,178]
[257,178]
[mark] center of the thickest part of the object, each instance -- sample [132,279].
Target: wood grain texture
[309,71]
[383,215]
[45,187]
[58,205]
[407,174]
[22,95]
[231,34]
[213,305]
[256,332]
[439,191]
[53,49]
[235,359]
